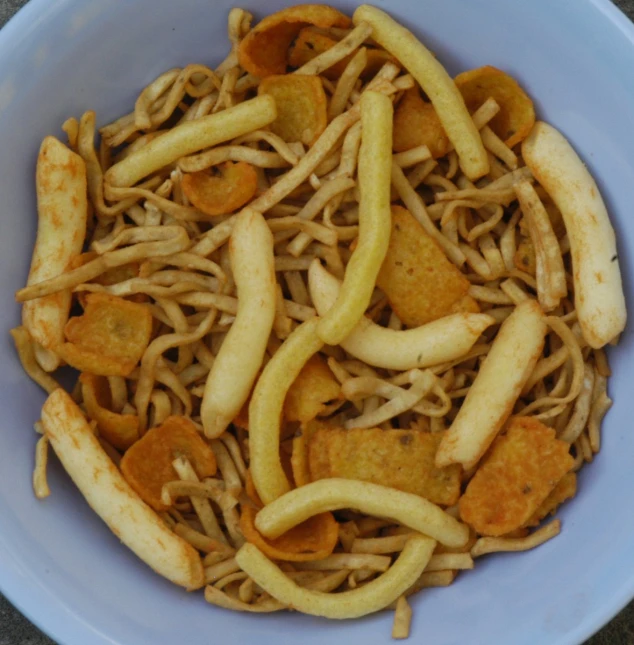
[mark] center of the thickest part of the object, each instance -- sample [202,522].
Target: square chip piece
[420,283]
[519,473]
[401,459]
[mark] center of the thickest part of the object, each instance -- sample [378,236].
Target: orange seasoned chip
[110,337]
[121,430]
[310,43]
[313,539]
[313,388]
[416,124]
[301,106]
[264,49]
[517,114]
[565,489]
[521,470]
[147,465]
[234,186]
[401,459]
[420,283]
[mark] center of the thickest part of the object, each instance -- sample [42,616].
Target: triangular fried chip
[419,281]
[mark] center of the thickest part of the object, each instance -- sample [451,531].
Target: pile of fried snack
[339,319]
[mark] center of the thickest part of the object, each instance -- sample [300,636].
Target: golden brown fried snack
[61,229]
[313,539]
[147,465]
[263,51]
[517,114]
[310,43]
[401,459]
[110,496]
[417,124]
[301,106]
[219,195]
[521,470]
[565,489]
[312,389]
[419,281]
[110,337]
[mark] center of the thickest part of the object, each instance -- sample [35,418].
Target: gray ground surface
[17,630]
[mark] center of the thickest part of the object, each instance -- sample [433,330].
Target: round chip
[147,465]
[218,195]
[310,43]
[264,49]
[517,114]
[313,539]
[301,106]
[417,124]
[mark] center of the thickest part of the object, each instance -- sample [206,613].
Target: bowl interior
[58,562]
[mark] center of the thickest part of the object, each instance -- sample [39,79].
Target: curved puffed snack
[436,342]
[436,83]
[265,409]
[374,179]
[599,298]
[380,501]
[112,498]
[62,210]
[192,136]
[490,400]
[240,357]
[374,596]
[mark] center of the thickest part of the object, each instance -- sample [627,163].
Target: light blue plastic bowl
[58,562]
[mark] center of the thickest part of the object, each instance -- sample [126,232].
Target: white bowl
[58,562]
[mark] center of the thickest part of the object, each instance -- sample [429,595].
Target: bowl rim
[30,599]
